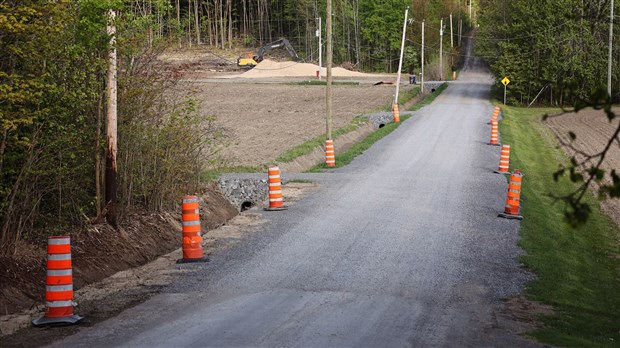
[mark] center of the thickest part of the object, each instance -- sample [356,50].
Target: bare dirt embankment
[593,131]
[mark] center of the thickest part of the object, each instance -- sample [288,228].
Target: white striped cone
[191,234]
[330,156]
[494,134]
[504,160]
[396,113]
[59,284]
[276,200]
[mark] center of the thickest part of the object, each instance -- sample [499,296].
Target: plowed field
[593,130]
[265,119]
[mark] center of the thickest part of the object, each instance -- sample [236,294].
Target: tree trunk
[98,173]
[197,23]
[178,3]
[222,27]
[230,23]
[111,134]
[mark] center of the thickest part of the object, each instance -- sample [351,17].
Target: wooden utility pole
[330,57]
[422,73]
[611,36]
[451,33]
[460,31]
[441,50]
[111,134]
[400,62]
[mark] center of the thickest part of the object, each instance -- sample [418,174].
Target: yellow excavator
[250,60]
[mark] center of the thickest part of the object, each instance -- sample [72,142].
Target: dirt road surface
[402,247]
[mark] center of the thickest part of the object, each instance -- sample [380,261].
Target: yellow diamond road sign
[505,81]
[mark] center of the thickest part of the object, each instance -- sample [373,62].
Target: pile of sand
[270,68]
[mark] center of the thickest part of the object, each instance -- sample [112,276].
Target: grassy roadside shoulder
[308,146]
[578,270]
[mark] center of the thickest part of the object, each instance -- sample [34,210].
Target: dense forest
[366,33]
[556,50]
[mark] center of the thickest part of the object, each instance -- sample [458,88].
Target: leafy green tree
[382,26]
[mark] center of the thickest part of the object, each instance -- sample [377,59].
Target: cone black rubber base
[498,144]
[276,209]
[202,259]
[498,172]
[510,216]
[70,320]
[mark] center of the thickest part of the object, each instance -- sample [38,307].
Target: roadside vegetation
[308,146]
[577,268]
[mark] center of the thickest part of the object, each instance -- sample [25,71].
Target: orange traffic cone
[192,238]
[276,202]
[495,115]
[396,113]
[514,197]
[494,134]
[330,157]
[504,160]
[59,284]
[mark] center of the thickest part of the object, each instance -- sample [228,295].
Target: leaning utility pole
[422,73]
[400,63]
[111,134]
[330,57]
[611,35]
[441,50]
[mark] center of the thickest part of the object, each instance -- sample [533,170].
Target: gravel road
[400,248]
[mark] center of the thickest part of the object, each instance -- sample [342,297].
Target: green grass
[344,158]
[578,269]
[429,99]
[405,96]
[215,173]
[323,83]
[310,145]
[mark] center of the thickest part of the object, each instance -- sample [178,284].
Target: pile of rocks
[244,193]
[380,119]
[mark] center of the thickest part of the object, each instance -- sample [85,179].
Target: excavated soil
[593,130]
[98,251]
[270,68]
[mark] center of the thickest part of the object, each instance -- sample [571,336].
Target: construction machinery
[250,60]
